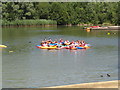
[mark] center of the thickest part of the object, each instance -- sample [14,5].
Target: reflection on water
[30,67]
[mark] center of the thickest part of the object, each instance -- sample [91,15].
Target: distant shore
[15,26]
[43,23]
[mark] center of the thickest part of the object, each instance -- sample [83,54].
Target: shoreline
[112,85]
[47,25]
[103,84]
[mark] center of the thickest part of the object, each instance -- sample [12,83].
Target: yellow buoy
[108,33]
[3,46]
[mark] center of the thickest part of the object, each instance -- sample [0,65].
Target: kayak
[53,44]
[80,47]
[42,47]
[73,48]
[3,46]
[51,47]
[38,46]
[86,47]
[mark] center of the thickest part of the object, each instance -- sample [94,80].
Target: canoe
[3,46]
[103,28]
[114,27]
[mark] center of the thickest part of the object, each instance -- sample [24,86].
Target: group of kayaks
[62,47]
[59,46]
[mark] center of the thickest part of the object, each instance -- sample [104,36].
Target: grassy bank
[28,22]
[42,22]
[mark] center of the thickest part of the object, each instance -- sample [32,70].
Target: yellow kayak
[54,47]
[86,47]
[3,46]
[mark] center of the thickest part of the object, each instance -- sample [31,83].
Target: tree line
[63,12]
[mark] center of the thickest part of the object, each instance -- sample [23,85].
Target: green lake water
[30,67]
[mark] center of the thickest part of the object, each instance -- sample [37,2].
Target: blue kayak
[53,44]
[38,45]
[80,47]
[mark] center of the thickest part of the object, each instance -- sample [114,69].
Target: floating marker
[108,33]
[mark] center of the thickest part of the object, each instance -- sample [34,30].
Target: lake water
[30,67]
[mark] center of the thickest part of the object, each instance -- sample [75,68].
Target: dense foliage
[63,13]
